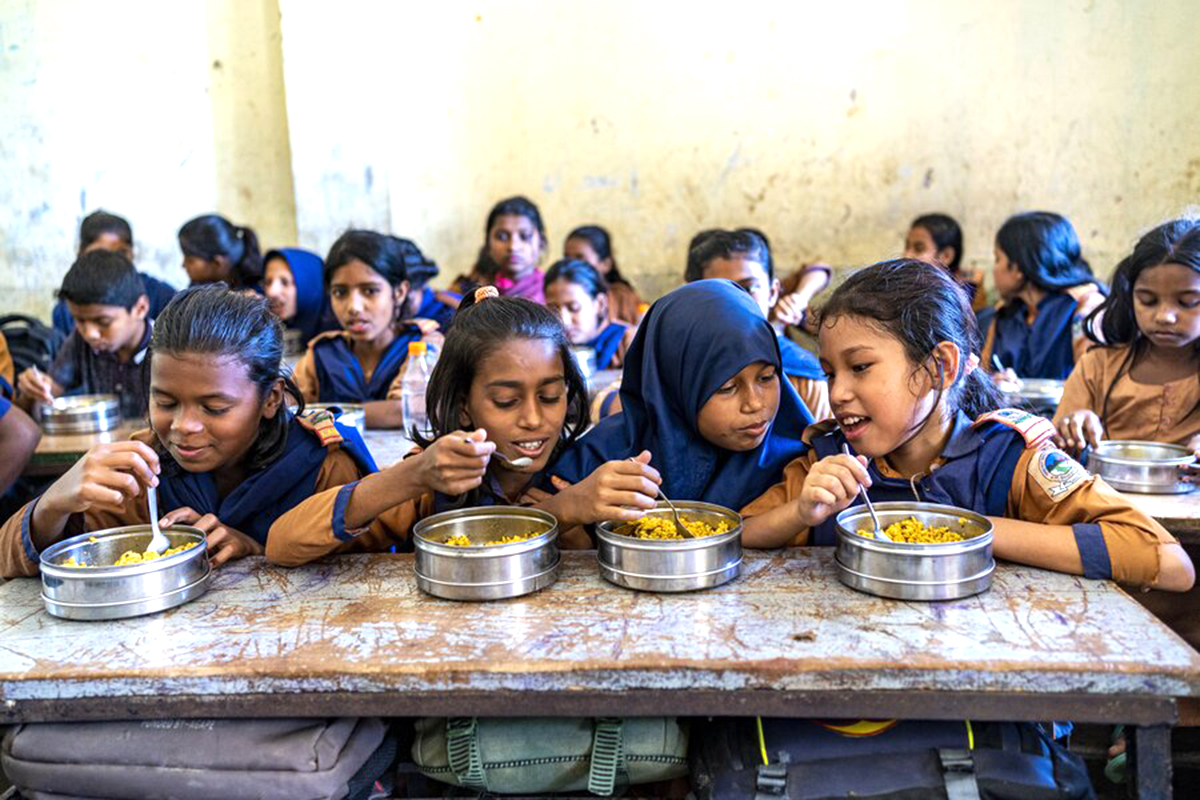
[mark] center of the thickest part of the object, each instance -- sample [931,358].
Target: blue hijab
[691,342]
[266,495]
[308,273]
[798,362]
[607,343]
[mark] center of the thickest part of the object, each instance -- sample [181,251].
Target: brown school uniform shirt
[308,521]
[1132,538]
[1168,412]
[623,302]
[6,363]
[815,395]
[305,372]
[1088,298]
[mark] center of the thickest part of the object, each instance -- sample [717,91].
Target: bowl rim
[47,566]
[861,510]
[420,541]
[1186,456]
[606,532]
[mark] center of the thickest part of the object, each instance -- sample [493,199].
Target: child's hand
[1080,429]
[224,542]
[831,485]
[790,309]
[457,462]
[1006,380]
[105,478]
[616,490]
[34,383]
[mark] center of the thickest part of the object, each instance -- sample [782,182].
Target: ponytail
[248,270]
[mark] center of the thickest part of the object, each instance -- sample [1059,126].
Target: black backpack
[809,760]
[30,342]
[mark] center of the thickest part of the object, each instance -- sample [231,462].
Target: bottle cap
[416,348]
[643,308]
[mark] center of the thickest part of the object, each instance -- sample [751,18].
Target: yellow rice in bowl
[461,540]
[660,527]
[913,531]
[130,557]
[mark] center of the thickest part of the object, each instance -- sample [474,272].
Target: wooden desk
[56,453]
[387,446]
[354,636]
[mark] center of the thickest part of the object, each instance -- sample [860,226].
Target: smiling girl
[362,363]
[1144,382]
[505,388]
[579,296]
[225,453]
[898,342]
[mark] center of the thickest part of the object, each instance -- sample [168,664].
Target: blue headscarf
[798,362]
[267,494]
[691,342]
[308,273]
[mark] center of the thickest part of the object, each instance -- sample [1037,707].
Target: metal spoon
[879,534]
[519,463]
[159,542]
[679,527]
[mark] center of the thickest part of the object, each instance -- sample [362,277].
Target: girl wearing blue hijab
[295,287]
[702,391]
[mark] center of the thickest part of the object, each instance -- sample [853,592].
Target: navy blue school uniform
[329,372]
[607,345]
[1043,349]
[690,343]
[159,293]
[439,306]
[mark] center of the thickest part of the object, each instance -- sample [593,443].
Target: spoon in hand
[879,534]
[679,526]
[159,542]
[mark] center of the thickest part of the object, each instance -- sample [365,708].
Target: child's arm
[19,437]
[105,485]
[620,491]
[811,492]
[1076,419]
[386,414]
[379,510]
[35,386]
[1065,520]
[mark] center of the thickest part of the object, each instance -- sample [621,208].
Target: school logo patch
[1033,429]
[1057,473]
[321,422]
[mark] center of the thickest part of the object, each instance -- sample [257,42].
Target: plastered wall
[828,126]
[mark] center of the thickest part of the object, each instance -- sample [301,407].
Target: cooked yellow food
[913,531]
[461,540]
[132,556]
[664,528]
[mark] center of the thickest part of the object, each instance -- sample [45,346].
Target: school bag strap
[462,747]
[1035,430]
[958,771]
[607,769]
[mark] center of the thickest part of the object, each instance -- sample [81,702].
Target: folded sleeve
[787,490]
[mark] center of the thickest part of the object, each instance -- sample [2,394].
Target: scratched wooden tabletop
[359,624]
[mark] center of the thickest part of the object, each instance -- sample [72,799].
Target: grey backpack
[200,759]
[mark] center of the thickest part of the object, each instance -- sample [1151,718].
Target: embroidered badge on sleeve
[1057,473]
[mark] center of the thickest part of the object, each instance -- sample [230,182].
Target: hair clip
[484,292]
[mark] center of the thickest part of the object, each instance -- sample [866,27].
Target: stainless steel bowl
[118,592]
[482,572]
[585,357]
[352,414]
[83,413]
[1144,467]
[1040,395]
[672,565]
[914,571]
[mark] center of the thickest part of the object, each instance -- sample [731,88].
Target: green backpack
[550,754]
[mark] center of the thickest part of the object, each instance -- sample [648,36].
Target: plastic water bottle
[413,381]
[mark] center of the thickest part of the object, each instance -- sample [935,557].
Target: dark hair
[100,222]
[518,206]
[385,254]
[573,270]
[945,232]
[479,329]
[1045,248]
[921,306]
[102,278]
[212,235]
[716,243]
[1174,242]
[419,268]
[214,320]
[601,243]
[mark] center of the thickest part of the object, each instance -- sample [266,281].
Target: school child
[506,387]
[214,249]
[224,451]
[19,435]
[514,242]
[591,243]
[294,285]
[703,394]
[796,291]
[577,293]
[1046,290]
[363,362]
[744,257]
[922,422]
[107,350]
[1142,380]
[937,239]
[425,302]
[101,230]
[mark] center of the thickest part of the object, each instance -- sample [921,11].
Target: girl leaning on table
[223,449]
[506,389]
[898,341]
